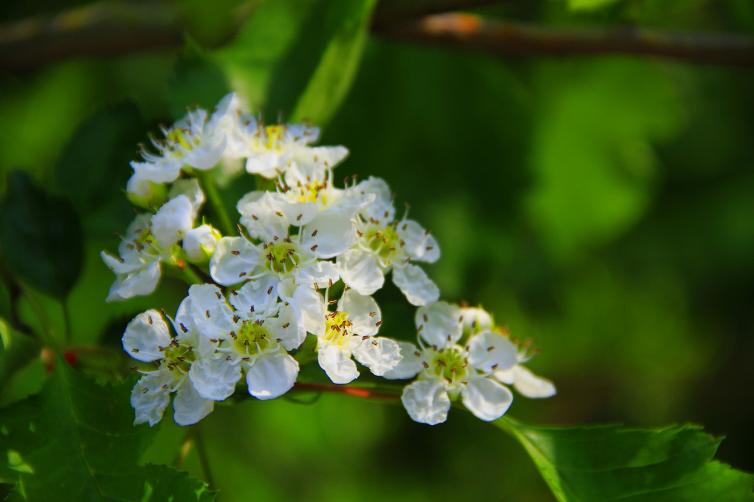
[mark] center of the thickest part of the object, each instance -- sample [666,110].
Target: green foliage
[76,440]
[16,349]
[618,463]
[41,236]
[589,4]
[291,56]
[93,167]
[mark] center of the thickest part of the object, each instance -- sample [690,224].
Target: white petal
[233,260]
[255,297]
[191,189]
[531,385]
[363,312]
[381,208]
[189,407]
[271,375]
[310,306]
[439,323]
[172,221]
[137,230]
[266,164]
[419,244]
[261,218]
[326,156]
[415,284]
[137,283]
[426,401]
[490,351]
[286,328]
[150,396]
[329,234]
[120,266]
[214,377]
[379,354]
[210,313]
[146,335]
[160,171]
[319,273]
[409,365]
[476,319]
[360,271]
[486,399]
[337,363]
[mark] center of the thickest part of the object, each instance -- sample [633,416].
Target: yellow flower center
[282,256]
[449,364]
[273,135]
[252,339]
[178,357]
[337,328]
[384,241]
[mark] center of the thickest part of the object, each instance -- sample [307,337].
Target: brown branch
[115,28]
[359,392]
[514,39]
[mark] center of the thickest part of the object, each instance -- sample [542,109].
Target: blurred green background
[603,207]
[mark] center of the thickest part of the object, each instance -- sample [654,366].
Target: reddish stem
[342,389]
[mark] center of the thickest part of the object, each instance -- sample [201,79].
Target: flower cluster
[304,261]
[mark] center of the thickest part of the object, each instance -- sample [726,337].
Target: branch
[514,39]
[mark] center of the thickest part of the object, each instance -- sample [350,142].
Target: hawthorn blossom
[448,370]
[477,320]
[252,333]
[384,245]
[147,339]
[195,141]
[151,240]
[350,332]
[272,149]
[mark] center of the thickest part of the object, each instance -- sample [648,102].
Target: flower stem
[203,457]
[213,196]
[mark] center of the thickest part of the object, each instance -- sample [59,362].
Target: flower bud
[199,243]
[145,193]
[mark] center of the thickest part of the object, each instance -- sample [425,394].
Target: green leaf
[93,168]
[589,4]
[292,57]
[76,440]
[40,235]
[16,350]
[612,462]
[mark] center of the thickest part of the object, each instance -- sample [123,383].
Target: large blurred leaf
[93,168]
[293,57]
[76,440]
[40,235]
[617,463]
[16,349]
[593,152]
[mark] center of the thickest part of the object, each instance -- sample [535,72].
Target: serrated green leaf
[93,168]
[76,440]
[40,235]
[602,463]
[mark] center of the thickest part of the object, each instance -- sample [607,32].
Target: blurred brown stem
[359,392]
[107,29]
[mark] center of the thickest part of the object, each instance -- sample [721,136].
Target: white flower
[447,370]
[272,149]
[477,320]
[385,244]
[350,332]
[523,380]
[147,338]
[195,141]
[292,263]
[151,240]
[252,333]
